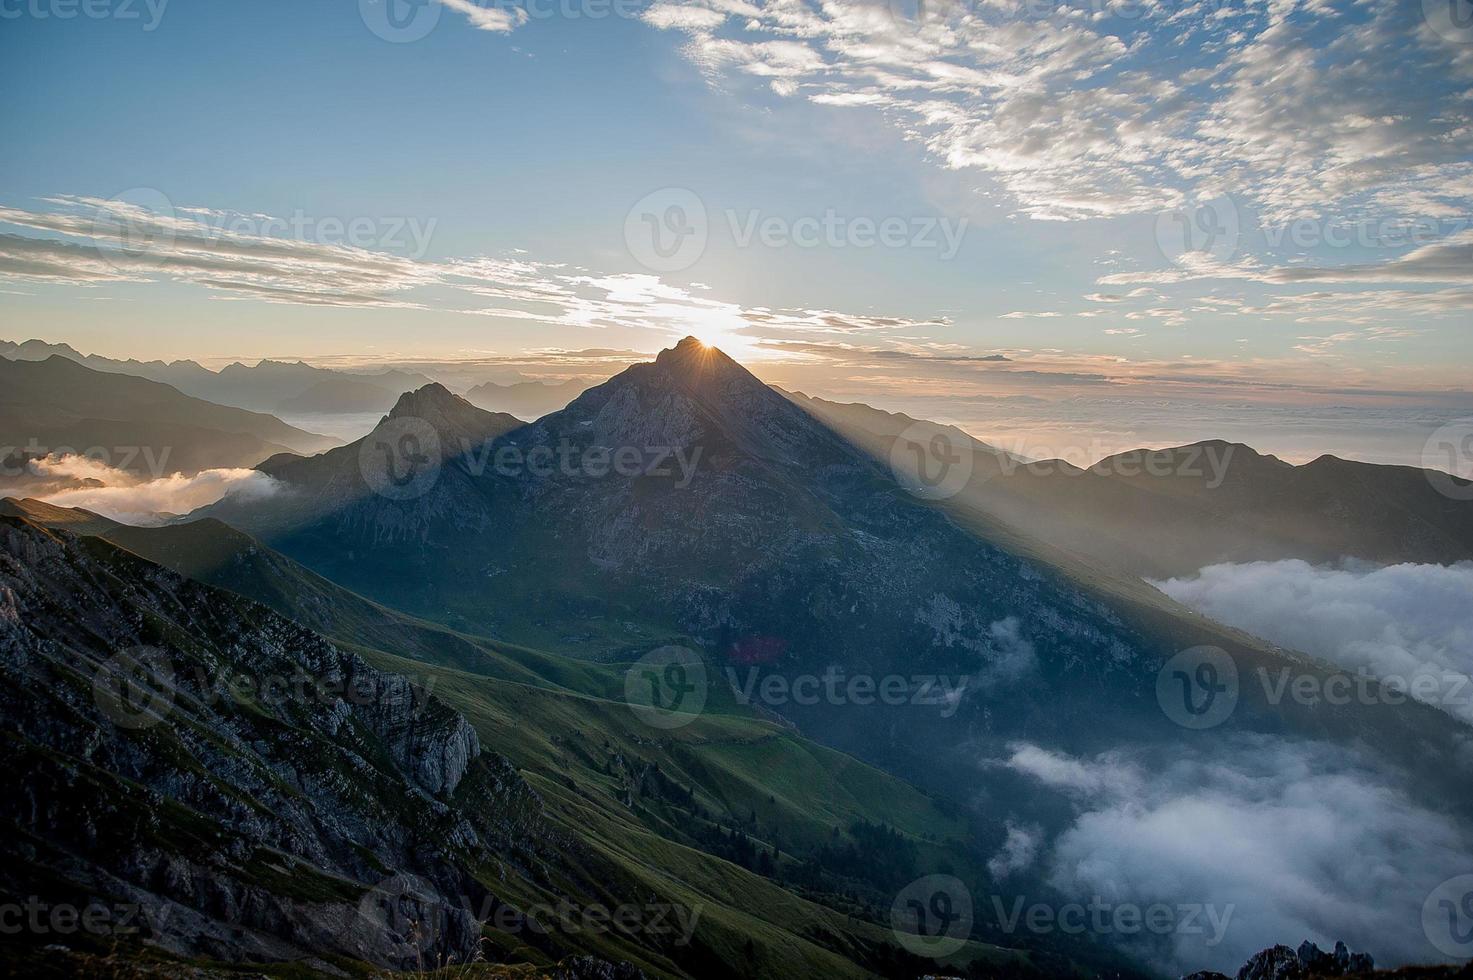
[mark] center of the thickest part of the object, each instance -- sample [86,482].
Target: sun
[712,338]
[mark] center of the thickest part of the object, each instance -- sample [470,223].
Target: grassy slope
[799,792]
[563,723]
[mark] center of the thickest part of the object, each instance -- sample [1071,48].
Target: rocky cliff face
[252,789]
[1309,962]
[392,488]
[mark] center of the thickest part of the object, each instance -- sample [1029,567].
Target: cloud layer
[89,484]
[1299,840]
[1403,622]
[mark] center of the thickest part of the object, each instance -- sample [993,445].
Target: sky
[1073,227]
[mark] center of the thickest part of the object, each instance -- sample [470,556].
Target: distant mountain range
[529,400]
[1173,511]
[268,386]
[132,423]
[335,485]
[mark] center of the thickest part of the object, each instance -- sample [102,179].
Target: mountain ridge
[1169,512]
[59,403]
[267,386]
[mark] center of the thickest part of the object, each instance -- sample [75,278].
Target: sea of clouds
[1286,840]
[1304,840]
[130,498]
[1401,622]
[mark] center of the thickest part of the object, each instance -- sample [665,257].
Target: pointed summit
[457,425]
[456,420]
[695,357]
[707,374]
[693,394]
[431,400]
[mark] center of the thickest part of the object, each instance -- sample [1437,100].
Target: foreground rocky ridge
[249,790]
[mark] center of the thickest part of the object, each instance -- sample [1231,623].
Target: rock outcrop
[246,785]
[1308,962]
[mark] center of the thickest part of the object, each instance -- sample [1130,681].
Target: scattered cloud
[1080,111]
[1413,623]
[488,17]
[237,257]
[1018,851]
[1446,261]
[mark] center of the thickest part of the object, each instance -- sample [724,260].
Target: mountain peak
[455,419]
[695,360]
[430,397]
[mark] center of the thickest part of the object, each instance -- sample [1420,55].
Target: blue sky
[1054,143]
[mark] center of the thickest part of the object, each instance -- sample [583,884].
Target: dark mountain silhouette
[57,403]
[267,386]
[346,485]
